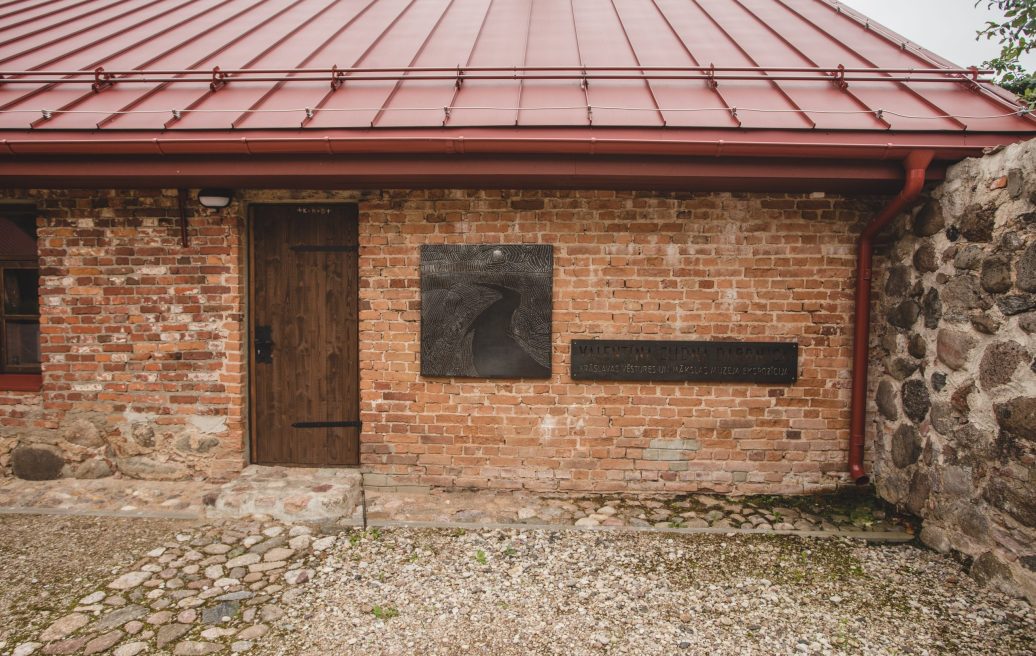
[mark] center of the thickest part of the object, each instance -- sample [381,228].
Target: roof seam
[96,63]
[752,59]
[51,26]
[262,99]
[212,89]
[902,85]
[711,84]
[327,95]
[86,29]
[23,9]
[885,33]
[525,62]
[178,46]
[467,62]
[420,49]
[859,102]
[633,52]
[585,86]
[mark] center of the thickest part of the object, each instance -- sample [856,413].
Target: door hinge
[330,248]
[328,424]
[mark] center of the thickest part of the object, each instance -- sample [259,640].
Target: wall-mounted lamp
[215,198]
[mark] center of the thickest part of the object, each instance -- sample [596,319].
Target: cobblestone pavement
[166,588]
[47,562]
[849,512]
[86,586]
[293,498]
[109,585]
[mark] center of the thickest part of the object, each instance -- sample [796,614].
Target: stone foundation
[300,494]
[956,396]
[18,410]
[89,445]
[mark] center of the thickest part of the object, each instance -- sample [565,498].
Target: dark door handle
[263,344]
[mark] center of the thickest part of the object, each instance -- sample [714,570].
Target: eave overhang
[694,159]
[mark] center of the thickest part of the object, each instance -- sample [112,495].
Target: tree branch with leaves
[1016,34]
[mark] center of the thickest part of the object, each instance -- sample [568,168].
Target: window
[19,293]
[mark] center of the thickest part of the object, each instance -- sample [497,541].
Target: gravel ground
[46,560]
[410,591]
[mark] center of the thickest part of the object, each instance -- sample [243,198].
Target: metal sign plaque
[746,362]
[486,310]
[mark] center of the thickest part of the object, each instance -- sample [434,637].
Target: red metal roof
[144,77]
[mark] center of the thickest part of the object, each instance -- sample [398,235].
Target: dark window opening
[19,292]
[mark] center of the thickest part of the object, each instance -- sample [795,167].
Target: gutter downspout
[916,164]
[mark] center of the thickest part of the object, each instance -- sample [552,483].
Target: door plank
[305,286]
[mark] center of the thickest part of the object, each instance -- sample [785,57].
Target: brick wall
[638,265]
[141,339]
[145,364]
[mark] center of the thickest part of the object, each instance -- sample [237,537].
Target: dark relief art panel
[486,310]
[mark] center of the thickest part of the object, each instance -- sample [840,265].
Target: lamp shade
[215,197]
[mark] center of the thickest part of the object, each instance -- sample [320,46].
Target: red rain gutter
[916,165]
[873,145]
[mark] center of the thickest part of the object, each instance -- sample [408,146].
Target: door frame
[249,334]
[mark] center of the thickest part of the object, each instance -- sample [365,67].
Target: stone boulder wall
[18,412]
[956,367]
[90,445]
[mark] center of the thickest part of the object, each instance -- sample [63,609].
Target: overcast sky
[946,27]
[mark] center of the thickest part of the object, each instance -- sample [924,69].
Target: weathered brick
[134,323]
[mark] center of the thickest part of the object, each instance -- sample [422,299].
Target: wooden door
[305,345]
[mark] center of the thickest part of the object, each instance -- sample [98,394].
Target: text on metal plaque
[750,362]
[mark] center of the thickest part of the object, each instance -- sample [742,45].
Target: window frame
[5,316]
[18,377]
